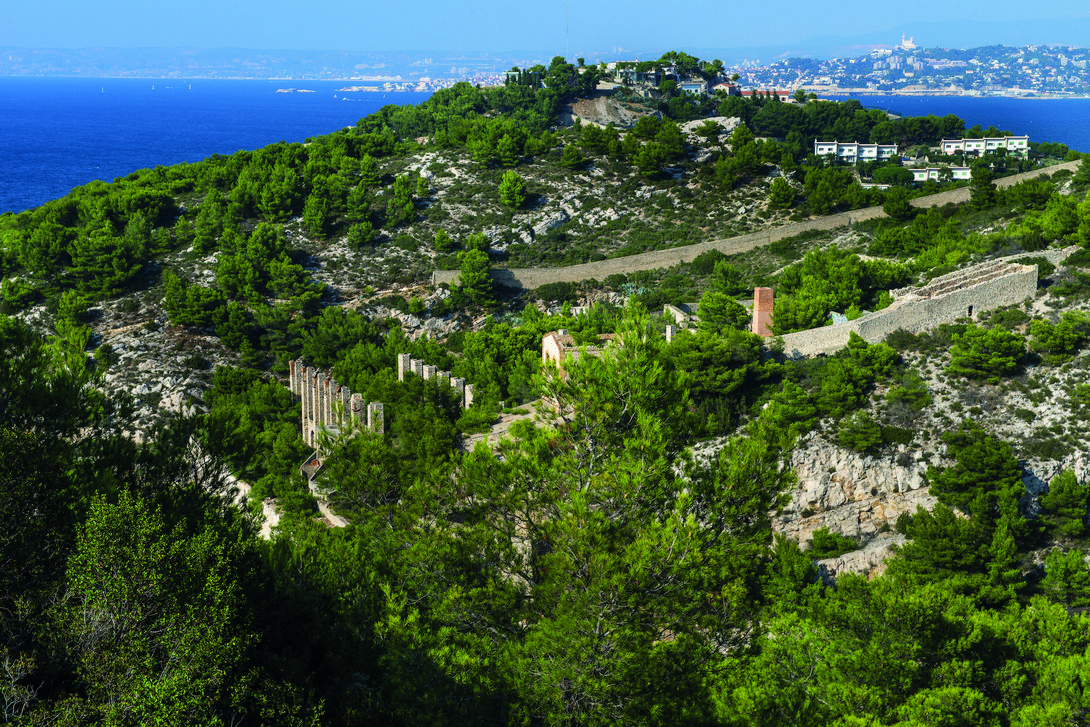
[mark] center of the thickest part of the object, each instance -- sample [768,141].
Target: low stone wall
[961,195]
[816,341]
[536,277]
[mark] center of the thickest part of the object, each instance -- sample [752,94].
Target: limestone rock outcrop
[870,560]
[850,493]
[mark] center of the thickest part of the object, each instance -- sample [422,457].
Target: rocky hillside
[603,204]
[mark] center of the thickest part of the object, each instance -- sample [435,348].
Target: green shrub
[1044,267]
[986,354]
[1065,504]
[1026,415]
[827,544]
[704,263]
[902,340]
[1080,258]
[897,435]
[556,292]
[860,433]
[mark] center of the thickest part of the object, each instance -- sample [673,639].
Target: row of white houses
[852,152]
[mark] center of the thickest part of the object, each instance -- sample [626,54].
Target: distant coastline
[398,84]
[1007,94]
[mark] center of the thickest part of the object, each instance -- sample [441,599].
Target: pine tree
[1065,504]
[780,194]
[982,194]
[512,190]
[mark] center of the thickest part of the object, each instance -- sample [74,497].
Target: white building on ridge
[1015,145]
[852,152]
[956,174]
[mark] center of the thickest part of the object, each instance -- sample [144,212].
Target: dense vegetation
[594,567]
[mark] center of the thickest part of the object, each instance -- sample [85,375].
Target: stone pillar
[444,378]
[671,331]
[469,396]
[331,402]
[357,408]
[312,393]
[375,419]
[403,365]
[301,390]
[459,385]
[429,372]
[341,411]
[418,366]
[292,381]
[762,312]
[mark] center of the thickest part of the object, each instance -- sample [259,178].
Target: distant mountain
[414,64]
[259,64]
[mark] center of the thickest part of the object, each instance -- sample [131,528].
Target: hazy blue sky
[597,25]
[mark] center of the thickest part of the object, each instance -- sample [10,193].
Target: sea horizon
[62,133]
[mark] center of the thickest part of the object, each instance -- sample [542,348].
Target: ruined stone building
[557,345]
[406,364]
[329,406]
[961,294]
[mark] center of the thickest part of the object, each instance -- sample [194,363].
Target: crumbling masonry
[961,294]
[329,406]
[407,364]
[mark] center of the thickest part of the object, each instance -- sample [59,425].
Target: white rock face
[551,220]
[850,493]
[856,495]
[1037,473]
[727,124]
[869,560]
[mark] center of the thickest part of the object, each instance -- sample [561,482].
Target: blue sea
[58,133]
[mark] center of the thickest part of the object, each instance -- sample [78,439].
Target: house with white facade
[1015,145]
[694,87]
[852,152]
[956,173]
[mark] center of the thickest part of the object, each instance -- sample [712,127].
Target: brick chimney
[762,312]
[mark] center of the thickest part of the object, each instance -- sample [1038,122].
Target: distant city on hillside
[906,68]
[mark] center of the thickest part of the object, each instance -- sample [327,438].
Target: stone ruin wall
[961,294]
[328,405]
[406,364]
[529,278]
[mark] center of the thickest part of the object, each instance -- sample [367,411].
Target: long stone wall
[535,277]
[964,293]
